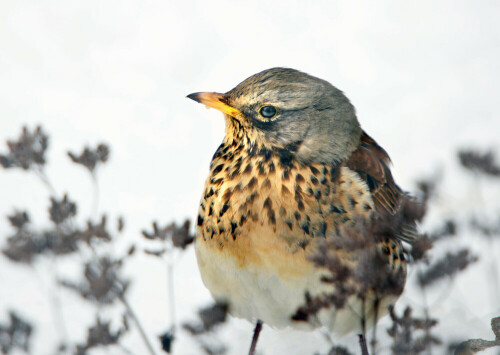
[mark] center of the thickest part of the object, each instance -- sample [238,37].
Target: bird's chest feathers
[259,205]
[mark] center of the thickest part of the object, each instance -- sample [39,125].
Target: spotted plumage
[279,187]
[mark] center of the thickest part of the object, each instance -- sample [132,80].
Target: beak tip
[194,97]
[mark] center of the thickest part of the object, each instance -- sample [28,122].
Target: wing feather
[372,162]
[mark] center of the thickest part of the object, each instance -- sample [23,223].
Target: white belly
[254,293]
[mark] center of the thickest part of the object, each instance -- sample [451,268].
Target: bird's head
[282,108]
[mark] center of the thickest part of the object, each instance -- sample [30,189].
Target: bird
[294,176]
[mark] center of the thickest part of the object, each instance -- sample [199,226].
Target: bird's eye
[268,111]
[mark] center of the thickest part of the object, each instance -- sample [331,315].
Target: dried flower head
[479,162]
[61,210]
[102,283]
[179,235]
[90,158]
[16,334]
[100,334]
[96,232]
[28,151]
[411,335]
[19,219]
[448,266]
[210,317]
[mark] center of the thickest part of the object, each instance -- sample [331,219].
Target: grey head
[282,107]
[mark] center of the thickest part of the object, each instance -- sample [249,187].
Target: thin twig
[95,202]
[45,180]
[373,342]
[132,314]
[362,344]
[256,332]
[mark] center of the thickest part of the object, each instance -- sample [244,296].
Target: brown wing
[371,162]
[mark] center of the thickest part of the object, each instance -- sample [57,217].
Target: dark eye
[268,111]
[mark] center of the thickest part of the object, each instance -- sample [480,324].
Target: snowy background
[424,77]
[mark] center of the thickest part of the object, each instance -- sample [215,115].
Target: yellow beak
[217,101]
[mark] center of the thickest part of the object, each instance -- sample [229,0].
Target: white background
[424,77]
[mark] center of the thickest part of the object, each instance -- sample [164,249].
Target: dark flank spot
[216,181]
[367,207]
[218,168]
[324,170]
[297,215]
[271,216]
[284,190]
[323,180]
[334,174]
[298,190]
[336,209]
[313,170]
[272,168]
[286,173]
[223,209]
[317,194]
[352,201]
[202,205]
[262,170]
[322,229]
[233,228]
[268,203]
[289,224]
[210,210]
[300,205]
[266,184]
[303,243]
[237,188]
[402,256]
[236,169]
[200,220]
[251,198]
[305,227]
[243,219]
[222,230]
[314,180]
[252,183]
[248,169]
[386,250]
[395,257]
[282,211]
[209,193]
[299,179]
[309,191]
[227,195]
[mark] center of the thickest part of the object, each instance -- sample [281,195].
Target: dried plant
[91,158]
[209,319]
[479,162]
[16,334]
[473,346]
[101,335]
[411,335]
[102,282]
[105,282]
[448,266]
[28,151]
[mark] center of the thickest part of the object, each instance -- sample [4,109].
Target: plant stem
[132,314]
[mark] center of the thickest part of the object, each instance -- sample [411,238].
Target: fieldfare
[288,231]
